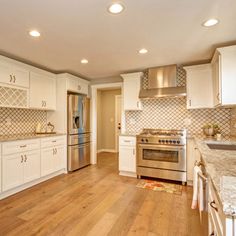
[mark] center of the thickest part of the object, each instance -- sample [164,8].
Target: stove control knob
[174,141]
[142,140]
[170,141]
[178,142]
[146,140]
[159,141]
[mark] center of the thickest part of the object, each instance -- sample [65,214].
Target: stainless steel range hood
[162,83]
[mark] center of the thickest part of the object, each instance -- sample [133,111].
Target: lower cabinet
[26,161]
[127,156]
[20,168]
[52,159]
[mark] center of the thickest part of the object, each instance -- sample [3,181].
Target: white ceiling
[74,29]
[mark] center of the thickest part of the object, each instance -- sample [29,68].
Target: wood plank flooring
[96,201]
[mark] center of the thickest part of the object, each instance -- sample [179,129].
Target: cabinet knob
[11,78]
[22,158]
[25,158]
[14,78]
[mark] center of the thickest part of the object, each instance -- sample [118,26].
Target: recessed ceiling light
[84,61]
[143,51]
[34,33]
[116,8]
[211,22]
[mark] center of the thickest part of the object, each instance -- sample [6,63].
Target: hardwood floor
[97,201]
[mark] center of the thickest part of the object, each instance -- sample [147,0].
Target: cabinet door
[127,159]
[199,86]
[59,157]
[191,158]
[47,161]
[14,75]
[131,93]
[216,80]
[12,171]
[31,166]
[42,92]
[77,85]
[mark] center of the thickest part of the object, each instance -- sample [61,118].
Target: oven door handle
[160,147]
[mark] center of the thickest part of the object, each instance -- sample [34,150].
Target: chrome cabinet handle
[213,206]
[137,104]
[25,158]
[55,151]
[14,78]
[190,103]
[22,158]
[23,146]
[11,78]
[133,151]
[127,141]
[218,96]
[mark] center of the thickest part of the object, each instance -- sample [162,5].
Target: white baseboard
[128,174]
[107,150]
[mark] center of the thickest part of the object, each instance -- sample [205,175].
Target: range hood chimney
[162,83]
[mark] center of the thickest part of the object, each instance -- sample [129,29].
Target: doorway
[103,123]
[108,123]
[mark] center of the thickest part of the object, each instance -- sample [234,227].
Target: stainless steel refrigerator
[78,123]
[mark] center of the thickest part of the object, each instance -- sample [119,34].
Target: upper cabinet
[76,84]
[131,89]
[224,76]
[42,91]
[11,74]
[199,86]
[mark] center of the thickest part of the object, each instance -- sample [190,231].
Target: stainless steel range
[162,154]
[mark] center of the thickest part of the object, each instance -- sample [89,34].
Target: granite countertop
[7,138]
[221,167]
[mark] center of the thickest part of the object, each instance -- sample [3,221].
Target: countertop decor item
[211,129]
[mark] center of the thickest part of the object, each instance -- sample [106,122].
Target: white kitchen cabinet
[131,89]
[53,154]
[31,166]
[77,85]
[52,159]
[0,168]
[224,76]
[12,171]
[42,91]
[199,86]
[11,74]
[127,156]
[20,168]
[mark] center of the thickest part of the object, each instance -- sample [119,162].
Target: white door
[127,159]
[31,166]
[12,171]
[14,75]
[47,161]
[117,119]
[42,91]
[59,156]
[199,86]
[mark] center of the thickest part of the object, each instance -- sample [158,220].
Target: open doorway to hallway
[108,123]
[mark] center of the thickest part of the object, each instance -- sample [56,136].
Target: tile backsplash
[172,113]
[20,121]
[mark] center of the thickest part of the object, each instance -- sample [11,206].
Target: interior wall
[106,119]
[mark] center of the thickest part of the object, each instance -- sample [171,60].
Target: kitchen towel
[198,192]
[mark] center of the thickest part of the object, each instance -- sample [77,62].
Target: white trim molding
[93,117]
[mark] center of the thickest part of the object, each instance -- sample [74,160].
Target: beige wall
[106,118]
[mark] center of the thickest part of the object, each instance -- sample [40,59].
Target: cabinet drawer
[127,141]
[20,146]
[215,210]
[53,141]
